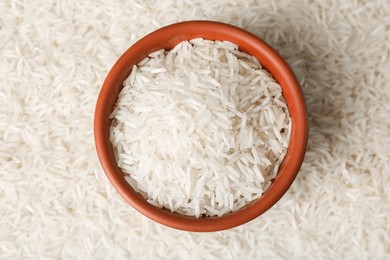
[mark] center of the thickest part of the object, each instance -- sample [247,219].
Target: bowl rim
[169,36]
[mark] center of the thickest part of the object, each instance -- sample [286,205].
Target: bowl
[166,38]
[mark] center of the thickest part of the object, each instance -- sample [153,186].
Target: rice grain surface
[200,129]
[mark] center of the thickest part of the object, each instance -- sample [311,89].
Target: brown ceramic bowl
[167,38]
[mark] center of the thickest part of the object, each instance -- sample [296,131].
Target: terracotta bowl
[167,38]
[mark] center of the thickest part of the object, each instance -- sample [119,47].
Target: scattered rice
[200,130]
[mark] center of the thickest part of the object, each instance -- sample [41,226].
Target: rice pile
[200,130]
[56,201]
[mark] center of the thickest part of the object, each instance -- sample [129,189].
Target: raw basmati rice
[201,129]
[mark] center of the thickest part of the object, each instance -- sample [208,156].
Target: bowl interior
[167,38]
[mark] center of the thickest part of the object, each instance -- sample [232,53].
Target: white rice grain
[200,130]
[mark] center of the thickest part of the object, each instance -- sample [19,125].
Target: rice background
[55,201]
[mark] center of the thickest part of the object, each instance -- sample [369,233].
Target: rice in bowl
[201,129]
